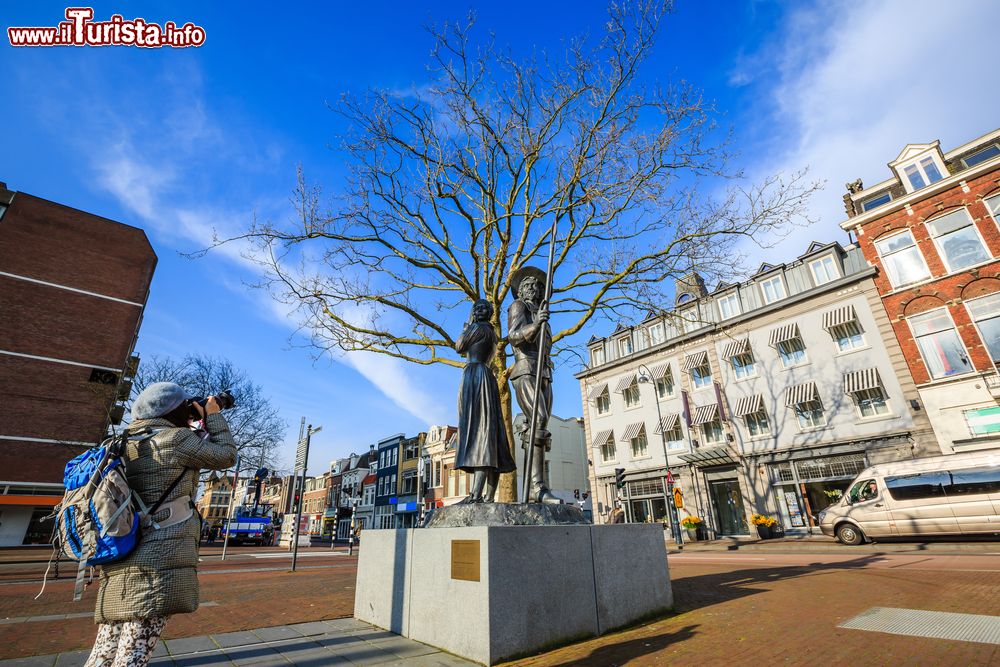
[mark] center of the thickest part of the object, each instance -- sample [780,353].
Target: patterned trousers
[126,643]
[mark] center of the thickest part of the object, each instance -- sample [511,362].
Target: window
[639,445]
[409,483]
[985,313]
[624,346]
[665,384]
[603,402]
[974,480]
[957,240]
[993,204]
[675,437]
[847,336]
[792,352]
[902,259]
[773,289]
[729,306]
[701,376]
[411,450]
[871,402]
[712,431]
[919,486]
[982,156]
[597,356]
[941,348]
[824,270]
[864,490]
[690,320]
[656,333]
[757,423]
[395,456]
[608,450]
[921,173]
[875,202]
[392,485]
[743,365]
[437,474]
[810,414]
[631,395]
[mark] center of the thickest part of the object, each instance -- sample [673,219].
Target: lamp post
[304,446]
[645,375]
[421,462]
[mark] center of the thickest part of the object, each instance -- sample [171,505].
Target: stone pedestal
[493,593]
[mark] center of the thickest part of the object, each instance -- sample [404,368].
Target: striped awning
[632,431]
[800,393]
[749,405]
[705,413]
[860,380]
[736,347]
[597,391]
[838,316]
[695,360]
[601,437]
[625,382]
[667,424]
[660,370]
[781,334]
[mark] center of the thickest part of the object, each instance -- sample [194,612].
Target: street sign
[678,498]
[670,477]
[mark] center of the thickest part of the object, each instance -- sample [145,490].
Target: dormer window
[729,306]
[922,173]
[982,156]
[624,346]
[773,289]
[824,270]
[596,356]
[875,202]
[656,334]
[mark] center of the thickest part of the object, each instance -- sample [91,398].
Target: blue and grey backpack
[100,516]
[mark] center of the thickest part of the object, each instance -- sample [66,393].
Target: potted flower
[764,525]
[691,524]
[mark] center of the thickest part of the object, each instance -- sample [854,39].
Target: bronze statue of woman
[483,448]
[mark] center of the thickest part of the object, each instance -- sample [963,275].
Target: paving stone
[211,659]
[255,655]
[242,638]
[405,648]
[365,654]
[375,635]
[73,658]
[316,657]
[276,633]
[313,628]
[438,659]
[336,642]
[159,650]
[33,661]
[177,647]
[348,623]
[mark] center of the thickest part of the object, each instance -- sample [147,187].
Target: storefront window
[806,487]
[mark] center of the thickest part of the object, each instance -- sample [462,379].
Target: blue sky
[179,142]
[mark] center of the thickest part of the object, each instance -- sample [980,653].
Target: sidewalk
[824,544]
[343,641]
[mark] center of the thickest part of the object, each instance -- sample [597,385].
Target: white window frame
[746,374]
[690,320]
[865,397]
[625,342]
[655,339]
[678,442]
[994,212]
[981,150]
[972,316]
[603,402]
[850,339]
[940,249]
[720,432]
[832,269]
[757,417]
[634,445]
[890,274]
[793,363]
[596,356]
[916,163]
[780,282]
[631,395]
[965,350]
[731,299]
[801,416]
[702,381]
[614,449]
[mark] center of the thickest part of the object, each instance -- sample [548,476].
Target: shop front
[644,501]
[803,487]
[720,472]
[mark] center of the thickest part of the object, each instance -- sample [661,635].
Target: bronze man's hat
[528,272]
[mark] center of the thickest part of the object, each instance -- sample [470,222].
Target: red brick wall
[943,290]
[22,461]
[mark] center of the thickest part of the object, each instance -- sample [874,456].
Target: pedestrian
[617,515]
[159,577]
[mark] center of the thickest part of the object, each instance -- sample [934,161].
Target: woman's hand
[211,406]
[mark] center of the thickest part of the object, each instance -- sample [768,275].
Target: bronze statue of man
[527,322]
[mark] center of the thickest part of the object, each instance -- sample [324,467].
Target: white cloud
[858,81]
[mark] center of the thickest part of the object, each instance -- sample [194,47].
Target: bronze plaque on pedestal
[465,560]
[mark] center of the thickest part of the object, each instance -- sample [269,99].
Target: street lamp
[645,375]
[421,462]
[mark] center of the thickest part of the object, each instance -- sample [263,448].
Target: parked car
[955,495]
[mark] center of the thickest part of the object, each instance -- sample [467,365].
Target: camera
[224,398]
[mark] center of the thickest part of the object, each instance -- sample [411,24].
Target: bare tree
[254,422]
[454,185]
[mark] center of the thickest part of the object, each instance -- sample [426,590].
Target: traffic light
[576,493]
[619,478]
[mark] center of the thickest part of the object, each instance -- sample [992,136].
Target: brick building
[932,231]
[73,287]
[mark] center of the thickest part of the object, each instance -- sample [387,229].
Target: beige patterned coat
[160,577]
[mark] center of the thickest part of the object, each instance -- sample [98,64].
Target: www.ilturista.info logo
[81,30]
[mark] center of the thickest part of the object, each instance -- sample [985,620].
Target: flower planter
[692,534]
[764,532]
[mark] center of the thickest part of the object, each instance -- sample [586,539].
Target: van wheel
[850,535]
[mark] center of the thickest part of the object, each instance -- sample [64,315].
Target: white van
[931,497]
